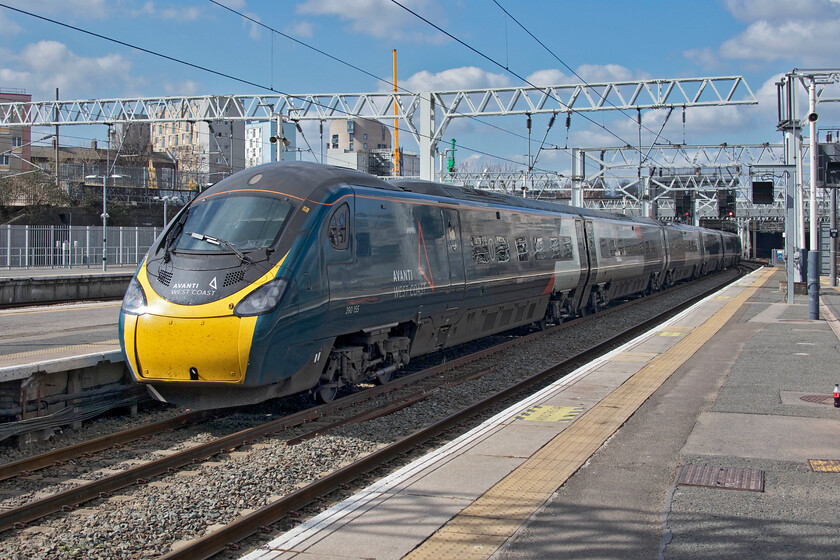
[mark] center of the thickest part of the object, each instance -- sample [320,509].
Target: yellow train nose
[191,349]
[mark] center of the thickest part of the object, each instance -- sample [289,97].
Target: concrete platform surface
[745,385]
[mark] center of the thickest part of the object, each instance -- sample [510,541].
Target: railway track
[310,424]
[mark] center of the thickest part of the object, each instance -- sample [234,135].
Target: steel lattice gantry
[703,170]
[426,115]
[612,178]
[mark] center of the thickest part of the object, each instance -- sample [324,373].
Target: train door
[455,256]
[588,262]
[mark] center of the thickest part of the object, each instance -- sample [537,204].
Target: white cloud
[43,66]
[813,41]
[705,58]
[806,32]
[467,77]
[8,26]
[594,73]
[591,73]
[382,19]
[549,77]
[300,29]
[781,10]
[185,87]
[253,27]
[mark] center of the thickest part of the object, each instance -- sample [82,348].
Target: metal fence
[72,246]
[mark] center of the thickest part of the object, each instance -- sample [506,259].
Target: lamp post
[104,215]
[165,200]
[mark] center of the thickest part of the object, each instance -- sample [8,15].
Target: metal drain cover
[818,399]
[730,478]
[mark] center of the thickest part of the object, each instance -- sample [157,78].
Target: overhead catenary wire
[219,73]
[503,67]
[348,64]
[569,68]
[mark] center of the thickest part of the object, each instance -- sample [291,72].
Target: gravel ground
[145,521]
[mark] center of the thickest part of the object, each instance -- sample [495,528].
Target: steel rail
[26,466]
[20,516]
[248,525]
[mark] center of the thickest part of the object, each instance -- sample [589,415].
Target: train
[293,276]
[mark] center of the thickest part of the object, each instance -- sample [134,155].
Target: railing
[72,246]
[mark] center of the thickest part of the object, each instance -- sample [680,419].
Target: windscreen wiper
[218,241]
[171,236]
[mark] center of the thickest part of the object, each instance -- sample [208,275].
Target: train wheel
[326,392]
[382,378]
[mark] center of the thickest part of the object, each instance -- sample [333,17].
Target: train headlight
[262,300]
[134,302]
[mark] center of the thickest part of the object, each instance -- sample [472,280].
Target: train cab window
[480,249]
[244,223]
[539,248]
[522,248]
[502,249]
[337,231]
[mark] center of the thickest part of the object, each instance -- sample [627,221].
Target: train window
[502,249]
[337,231]
[522,248]
[480,249]
[539,249]
[554,248]
[566,250]
[453,240]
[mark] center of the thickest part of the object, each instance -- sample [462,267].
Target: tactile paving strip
[560,458]
[824,465]
[543,413]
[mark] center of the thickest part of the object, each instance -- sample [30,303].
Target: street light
[104,214]
[165,199]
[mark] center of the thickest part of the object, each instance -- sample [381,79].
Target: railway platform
[713,435]
[21,286]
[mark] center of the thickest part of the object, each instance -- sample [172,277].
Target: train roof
[443,190]
[296,178]
[301,179]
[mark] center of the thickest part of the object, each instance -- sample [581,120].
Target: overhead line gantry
[426,115]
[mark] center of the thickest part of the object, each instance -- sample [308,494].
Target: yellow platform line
[482,527]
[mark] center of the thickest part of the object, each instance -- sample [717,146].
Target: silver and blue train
[292,277]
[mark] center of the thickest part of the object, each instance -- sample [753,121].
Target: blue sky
[600,40]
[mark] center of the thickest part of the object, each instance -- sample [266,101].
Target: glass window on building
[365,143]
[4,160]
[17,141]
[351,127]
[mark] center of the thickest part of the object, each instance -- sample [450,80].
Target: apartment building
[15,140]
[365,145]
[258,146]
[208,151]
